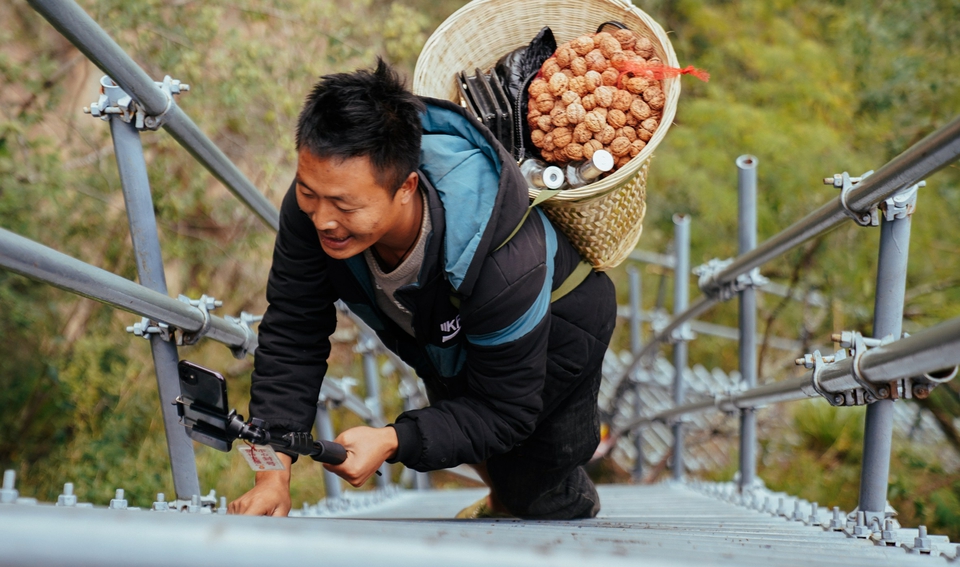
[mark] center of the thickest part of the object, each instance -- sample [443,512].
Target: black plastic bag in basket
[516,70]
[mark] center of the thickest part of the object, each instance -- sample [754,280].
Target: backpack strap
[575,278]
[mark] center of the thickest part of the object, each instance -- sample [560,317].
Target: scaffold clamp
[205,305]
[723,292]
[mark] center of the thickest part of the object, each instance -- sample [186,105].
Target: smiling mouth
[333,241]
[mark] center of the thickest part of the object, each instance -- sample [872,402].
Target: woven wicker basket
[603,220]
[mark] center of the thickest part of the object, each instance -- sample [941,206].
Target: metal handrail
[83,32]
[36,261]
[927,352]
[927,156]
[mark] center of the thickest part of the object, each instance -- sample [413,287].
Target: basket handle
[544,195]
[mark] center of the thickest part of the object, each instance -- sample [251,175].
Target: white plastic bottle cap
[553,177]
[603,160]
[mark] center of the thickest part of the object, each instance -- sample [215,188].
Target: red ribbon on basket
[659,71]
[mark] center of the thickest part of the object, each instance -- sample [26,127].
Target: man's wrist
[282,476]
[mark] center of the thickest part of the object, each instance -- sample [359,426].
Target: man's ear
[409,187]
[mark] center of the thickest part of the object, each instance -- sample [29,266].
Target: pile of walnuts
[583,100]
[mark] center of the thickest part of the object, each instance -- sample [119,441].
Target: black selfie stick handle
[328,452]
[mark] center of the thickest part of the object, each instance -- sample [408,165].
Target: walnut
[616,118]
[632,120]
[558,116]
[547,156]
[610,77]
[548,143]
[637,85]
[549,68]
[593,79]
[538,87]
[601,112]
[626,38]
[644,135]
[568,73]
[578,85]
[596,61]
[578,66]
[654,97]
[621,100]
[574,151]
[636,147]
[575,113]
[582,45]
[654,61]
[589,102]
[590,147]
[582,134]
[608,46]
[629,133]
[569,98]
[650,124]
[532,115]
[594,122]
[639,109]
[599,37]
[618,60]
[644,48]
[564,56]
[562,136]
[545,123]
[620,147]
[622,161]
[544,103]
[558,84]
[604,96]
[606,135]
[537,136]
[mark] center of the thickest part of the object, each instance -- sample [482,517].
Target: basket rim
[671,87]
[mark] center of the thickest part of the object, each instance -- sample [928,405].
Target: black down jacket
[495,365]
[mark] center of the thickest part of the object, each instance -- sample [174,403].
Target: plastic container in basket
[602,220]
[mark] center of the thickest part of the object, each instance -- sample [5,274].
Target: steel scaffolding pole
[146,249]
[636,343]
[82,31]
[367,346]
[324,425]
[747,236]
[681,291]
[887,321]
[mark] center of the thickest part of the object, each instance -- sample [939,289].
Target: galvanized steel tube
[38,262]
[887,320]
[747,241]
[146,249]
[681,292]
[636,344]
[324,425]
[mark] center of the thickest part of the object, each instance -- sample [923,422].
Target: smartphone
[204,409]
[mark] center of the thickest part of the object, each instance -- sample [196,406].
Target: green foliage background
[810,88]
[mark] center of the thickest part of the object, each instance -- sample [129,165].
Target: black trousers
[543,477]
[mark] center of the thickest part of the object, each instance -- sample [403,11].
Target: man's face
[347,205]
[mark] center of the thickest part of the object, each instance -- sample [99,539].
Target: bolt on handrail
[927,156]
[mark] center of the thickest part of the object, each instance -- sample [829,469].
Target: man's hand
[367,449]
[270,496]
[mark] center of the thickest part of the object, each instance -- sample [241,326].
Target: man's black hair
[364,113]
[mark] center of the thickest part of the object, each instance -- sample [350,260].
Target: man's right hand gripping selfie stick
[202,406]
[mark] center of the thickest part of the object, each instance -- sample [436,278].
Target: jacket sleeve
[294,336]
[507,324]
